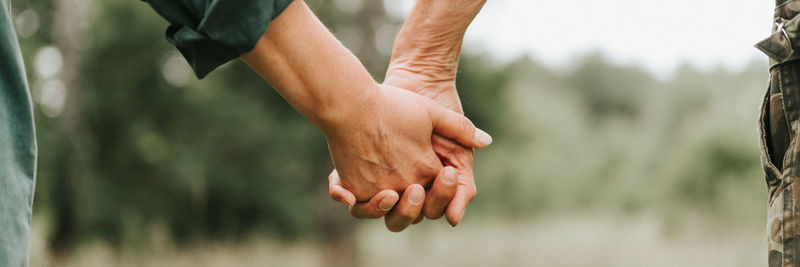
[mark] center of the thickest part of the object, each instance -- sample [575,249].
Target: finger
[443,190]
[455,126]
[452,153]
[338,192]
[377,206]
[457,206]
[419,219]
[407,210]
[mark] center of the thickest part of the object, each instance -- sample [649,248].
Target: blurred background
[625,135]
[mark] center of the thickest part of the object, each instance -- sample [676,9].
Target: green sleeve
[210,33]
[17,148]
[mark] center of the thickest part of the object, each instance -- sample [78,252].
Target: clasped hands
[401,149]
[407,155]
[420,162]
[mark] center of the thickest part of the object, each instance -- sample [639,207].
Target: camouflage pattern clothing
[780,161]
[780,144]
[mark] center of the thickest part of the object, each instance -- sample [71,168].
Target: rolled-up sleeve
[210,33]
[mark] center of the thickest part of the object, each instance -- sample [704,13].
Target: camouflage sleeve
[780,117]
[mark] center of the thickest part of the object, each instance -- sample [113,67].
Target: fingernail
[387,203]
[482,138]
[449,176]
[416,196]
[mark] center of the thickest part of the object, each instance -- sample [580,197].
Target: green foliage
[612,138]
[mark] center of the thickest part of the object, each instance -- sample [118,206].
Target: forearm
[313,71]
[430,40]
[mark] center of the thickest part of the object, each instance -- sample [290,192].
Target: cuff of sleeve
[227,30]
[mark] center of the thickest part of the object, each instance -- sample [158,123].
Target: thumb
[455,126]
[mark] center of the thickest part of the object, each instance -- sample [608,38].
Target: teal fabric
[210,33]
[17,148]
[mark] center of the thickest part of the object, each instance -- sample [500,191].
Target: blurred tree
[69,24]
[608,90]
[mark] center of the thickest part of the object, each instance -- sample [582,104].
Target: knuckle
[442,194]
[464,125]
[452,148]
[424,178]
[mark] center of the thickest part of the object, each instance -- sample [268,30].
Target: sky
[657,34]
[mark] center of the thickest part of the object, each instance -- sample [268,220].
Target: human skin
[424,61]
[379,136]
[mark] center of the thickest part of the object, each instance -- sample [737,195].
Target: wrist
[437,50]
[441,89]
[437,27]
[421,78]
[423,64]
[347,110]
[431,64]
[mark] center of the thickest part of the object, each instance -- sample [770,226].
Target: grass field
[559,241]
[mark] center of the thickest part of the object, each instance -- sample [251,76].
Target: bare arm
[427,48]
[310,68]
[378,136]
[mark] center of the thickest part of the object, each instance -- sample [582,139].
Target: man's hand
[386,144]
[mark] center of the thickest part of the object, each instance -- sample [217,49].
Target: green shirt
[208,33]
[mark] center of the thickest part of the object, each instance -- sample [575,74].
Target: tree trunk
[69,25]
